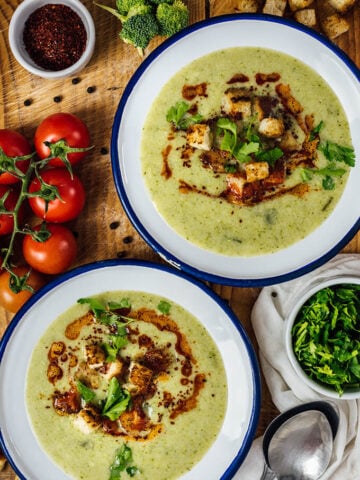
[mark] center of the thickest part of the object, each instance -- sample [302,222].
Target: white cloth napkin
[285,388]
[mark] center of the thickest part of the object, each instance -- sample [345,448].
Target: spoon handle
[267,474]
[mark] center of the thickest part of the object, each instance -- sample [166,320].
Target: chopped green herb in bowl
[323,337]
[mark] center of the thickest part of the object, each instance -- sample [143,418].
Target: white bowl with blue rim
[17,439]
[197,40]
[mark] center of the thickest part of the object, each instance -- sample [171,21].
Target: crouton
[139,378]
[235,184]
[237,102]
[199,136]
[288,142]
[233,6]
[95,356]
[2,461]
[113,369]
[306,17]
[275,7]
[342,6]
[299,4]
[334,25]
[246,6]
[87,420]
[271,127]
[256,171]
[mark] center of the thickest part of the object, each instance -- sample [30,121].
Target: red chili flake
[54,36]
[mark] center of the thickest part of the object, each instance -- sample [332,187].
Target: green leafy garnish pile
[326,337]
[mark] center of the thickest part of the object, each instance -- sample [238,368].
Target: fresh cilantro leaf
[116,343]
[328,183]
[123,458]
[117,400]
[270,156]
[86,393]
[229,131]
[177,115]
[95,305]
[242,151]
[339,153]
[316,130]
[164,307]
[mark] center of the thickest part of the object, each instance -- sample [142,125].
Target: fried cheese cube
[199,136]
[256,171]
[271,127]
[237,102]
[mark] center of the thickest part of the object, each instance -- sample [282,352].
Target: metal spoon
[298,443]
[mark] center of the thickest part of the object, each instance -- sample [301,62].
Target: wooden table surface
[109,71]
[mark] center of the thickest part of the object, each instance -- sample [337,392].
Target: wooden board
[109,71]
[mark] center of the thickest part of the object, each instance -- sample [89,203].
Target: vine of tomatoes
[43,182]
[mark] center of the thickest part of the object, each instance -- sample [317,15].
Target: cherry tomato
[70,189]
[6,220]
[13,144]
[62,126]
[54,255]
[13,301]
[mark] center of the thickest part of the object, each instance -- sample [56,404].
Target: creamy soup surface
[170,397]
[205,191]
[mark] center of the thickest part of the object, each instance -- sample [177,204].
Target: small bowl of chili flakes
[53,39]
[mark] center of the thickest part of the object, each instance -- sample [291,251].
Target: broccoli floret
[158,2]
[124,6]
[138,30]
[172,18]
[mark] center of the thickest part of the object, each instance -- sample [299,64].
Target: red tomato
[6,220]
[13,301]
[13,144]
[62,126]
[70,189]
[53,256]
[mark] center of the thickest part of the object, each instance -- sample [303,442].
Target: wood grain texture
[109,71]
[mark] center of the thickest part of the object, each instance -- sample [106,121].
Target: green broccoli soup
[126,384]
[246,151]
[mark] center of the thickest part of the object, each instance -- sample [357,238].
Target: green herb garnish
[178,115]
[326,337]
[122,461]
[164,307]
[86,393]
[117,400]
[334,152]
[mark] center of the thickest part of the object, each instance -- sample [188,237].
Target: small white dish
[198,40]
[239,426]
[304,296]
[16,28]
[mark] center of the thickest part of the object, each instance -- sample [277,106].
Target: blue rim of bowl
[155,245]
[255,411]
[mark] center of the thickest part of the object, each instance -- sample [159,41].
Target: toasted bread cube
[237,102]
[85,420]
[139,377]
[235,184]
[342,6]
[275,7]
[334,25]
[306,17]
[199,136]
[113,369]
[256,171]
[271,127]
[257,109]
[95,356]
[289,142]
[299,4]
[249,6]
